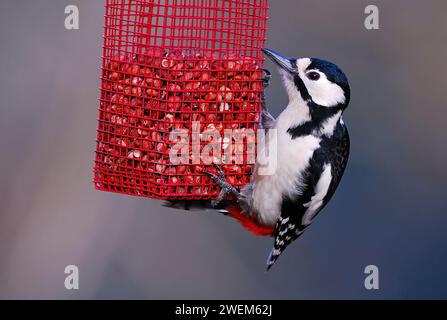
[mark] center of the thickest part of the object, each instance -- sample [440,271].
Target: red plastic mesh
[178,65]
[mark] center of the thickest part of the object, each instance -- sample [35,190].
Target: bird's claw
[220,180]
[266,78]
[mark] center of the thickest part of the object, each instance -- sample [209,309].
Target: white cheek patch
[324,92]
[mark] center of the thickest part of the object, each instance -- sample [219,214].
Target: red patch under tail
[248,223]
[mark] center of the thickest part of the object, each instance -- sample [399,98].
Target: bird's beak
[281,60]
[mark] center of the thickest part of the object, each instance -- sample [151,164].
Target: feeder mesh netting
[175,73]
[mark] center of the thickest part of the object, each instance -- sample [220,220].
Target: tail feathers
[283,238]
[247,222]
[273,256]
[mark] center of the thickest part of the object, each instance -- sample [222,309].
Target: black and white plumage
[319,182]
[312,151]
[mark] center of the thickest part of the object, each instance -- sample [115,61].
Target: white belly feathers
[293,156]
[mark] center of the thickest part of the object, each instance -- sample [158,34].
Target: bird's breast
[290,163]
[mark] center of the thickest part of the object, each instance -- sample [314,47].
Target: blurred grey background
[390,209]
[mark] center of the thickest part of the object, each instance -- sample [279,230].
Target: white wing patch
[321,189]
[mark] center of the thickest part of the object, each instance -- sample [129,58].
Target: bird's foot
[266,78]
[226,188]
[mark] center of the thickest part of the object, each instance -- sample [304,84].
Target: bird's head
[317,82]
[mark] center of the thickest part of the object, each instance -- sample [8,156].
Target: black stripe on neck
[302,88]
[318,115]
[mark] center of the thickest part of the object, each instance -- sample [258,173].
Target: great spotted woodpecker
[312,145]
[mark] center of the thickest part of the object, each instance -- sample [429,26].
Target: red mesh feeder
[181,89]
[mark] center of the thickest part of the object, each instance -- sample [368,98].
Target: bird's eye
[313,75]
